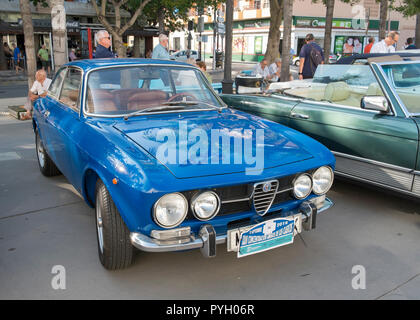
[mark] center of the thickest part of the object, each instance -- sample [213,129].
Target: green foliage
[408,7]
[174,12]
[43,3]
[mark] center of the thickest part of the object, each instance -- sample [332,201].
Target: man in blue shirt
[16,58]
[410,44]
[104,44]
[160,51]
[310,57]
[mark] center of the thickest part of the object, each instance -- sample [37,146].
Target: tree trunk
[119,46]
[328,29]
[3,62]
[383,17]
[28,31]
[136,47]
[59,33]
[287,37]
[417,30]
[274,32]
[161,20]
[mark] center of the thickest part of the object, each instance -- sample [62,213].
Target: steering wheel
[182,94]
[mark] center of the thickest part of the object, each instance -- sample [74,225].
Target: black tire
[115,251]
[297,63]
[46,165]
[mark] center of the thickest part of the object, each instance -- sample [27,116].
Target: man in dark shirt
[310,52]
[410,44]
[104,43]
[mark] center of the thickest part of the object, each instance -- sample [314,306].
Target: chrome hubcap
[41,153]
[99,226]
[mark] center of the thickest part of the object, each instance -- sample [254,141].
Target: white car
[182,55]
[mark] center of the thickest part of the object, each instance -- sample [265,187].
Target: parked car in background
[332,59]
[368,115]
[140,140]
[182,55]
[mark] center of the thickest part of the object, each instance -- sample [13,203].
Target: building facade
[352,26]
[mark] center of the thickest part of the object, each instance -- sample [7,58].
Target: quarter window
[71,88]
[55,86]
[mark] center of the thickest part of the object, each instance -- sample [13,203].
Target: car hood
[186,143]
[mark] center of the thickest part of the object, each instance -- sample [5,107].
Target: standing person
[39,90]
[104,44]
[43,55]
[357,46]
[16,58]
[161,51]
[310,57]
[387,44]
[149,54]
[275,69]
[410,44]
[72,54]
[369,46]
[203,67]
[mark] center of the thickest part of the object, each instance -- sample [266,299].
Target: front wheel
[114,245]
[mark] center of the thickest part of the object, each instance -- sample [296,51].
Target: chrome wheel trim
[99,225]
[41,152]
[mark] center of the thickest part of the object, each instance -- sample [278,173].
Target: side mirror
[377,103]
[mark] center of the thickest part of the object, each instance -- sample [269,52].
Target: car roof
[90,64]
[355,57]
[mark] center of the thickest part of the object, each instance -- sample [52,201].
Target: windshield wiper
[151,109]
[189,103]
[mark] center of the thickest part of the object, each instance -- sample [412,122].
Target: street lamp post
[227,83]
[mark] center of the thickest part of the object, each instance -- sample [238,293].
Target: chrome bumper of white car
[207,239]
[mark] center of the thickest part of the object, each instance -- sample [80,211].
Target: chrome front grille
[263,196]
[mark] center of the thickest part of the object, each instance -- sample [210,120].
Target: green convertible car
[367,114]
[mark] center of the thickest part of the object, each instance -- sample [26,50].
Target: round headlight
[205,205]
[170,210]
[322,179]
[302,186]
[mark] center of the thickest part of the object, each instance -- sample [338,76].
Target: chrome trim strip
[374,162]
[377,184]
[247,199]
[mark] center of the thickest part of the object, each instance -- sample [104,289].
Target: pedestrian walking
[104,44]
[310,56]
[387,45]
[371,42]
[16,58]
[161,51]
[43,55]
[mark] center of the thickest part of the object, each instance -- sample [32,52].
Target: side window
[71,88]
[55,85]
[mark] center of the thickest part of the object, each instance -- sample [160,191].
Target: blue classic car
[168,167]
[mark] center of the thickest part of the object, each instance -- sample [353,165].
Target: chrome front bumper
[207,239]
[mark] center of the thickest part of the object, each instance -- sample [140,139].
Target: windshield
[125,90]
[405,78]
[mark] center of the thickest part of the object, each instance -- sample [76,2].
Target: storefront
[250,37]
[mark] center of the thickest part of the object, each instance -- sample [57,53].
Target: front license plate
[267,235]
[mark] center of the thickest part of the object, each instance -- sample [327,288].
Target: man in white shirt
[275,69]
[39,90]
[386,45]
[261,70]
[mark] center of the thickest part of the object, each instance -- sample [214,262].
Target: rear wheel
[46,165]
[114,245]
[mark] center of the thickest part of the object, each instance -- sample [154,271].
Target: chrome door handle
[46,114]
[300,116]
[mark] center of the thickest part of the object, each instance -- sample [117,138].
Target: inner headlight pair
[320,182]
[171,209]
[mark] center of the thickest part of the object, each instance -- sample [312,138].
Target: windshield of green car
[405,78]
[131,89]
